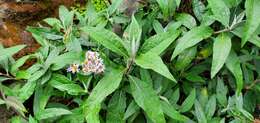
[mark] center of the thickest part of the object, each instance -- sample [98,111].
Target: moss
[100,4]
[80,9]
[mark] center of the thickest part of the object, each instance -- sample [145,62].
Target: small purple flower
[74,68]
[93,63]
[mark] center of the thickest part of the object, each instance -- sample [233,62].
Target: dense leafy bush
[140,61]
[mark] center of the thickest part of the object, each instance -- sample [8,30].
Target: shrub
[158,65]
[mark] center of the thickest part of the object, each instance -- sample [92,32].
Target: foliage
[161,64]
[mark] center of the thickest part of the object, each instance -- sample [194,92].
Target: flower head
[74,68]
[93,63]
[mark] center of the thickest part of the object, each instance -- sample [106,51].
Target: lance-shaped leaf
[147,99]
[64,59]
[116,108]
[221,49]
[52,112]
[107,85]
[133,35]
[172,113]
[27,90]
[114,6]
[191,38]
[164,7]
[9,52]
[131,109]
[210,107]
[158,43]
[252,19]
[107,38]
[154,62]
[220,11]
[233,64]
[254,39]
[185,58]
[187,20]
[199,113]
[188,102]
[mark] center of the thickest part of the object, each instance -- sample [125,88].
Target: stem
[129,65]
[6,75]
[252,85]
[224,30]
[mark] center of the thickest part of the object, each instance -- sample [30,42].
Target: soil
[5,114]
[14,18]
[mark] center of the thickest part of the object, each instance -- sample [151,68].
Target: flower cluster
[92,64]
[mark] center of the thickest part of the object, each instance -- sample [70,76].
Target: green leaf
[52,112]
[32,120]
[163,4]
[20,62]
[221,49]
[221,92]
[188,102]
[233,64]
[131,109]
[232,3]
[175,96]
[254,39]
[65,59]
[37,35]
[116,108]
[187,20]
[155,63]
[16,104]
[146,98]
[194,77]
[62,83]
[198,9]
[66,17]
[252,19]
[220,11]
[133,35]
[9,52]
[22,75]
[199,113]
[185,58]
[72,89]
[17,119]
[114,6]
[108,39]
[158,43]
[210,108]
[178,2]
[191,38]
[157,26]
[41,97]
[135,30]
[172,113]
[27,90]
[37,75]
[107,85]
[53,22]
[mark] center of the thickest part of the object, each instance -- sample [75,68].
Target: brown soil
[15,17]
[5,114]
